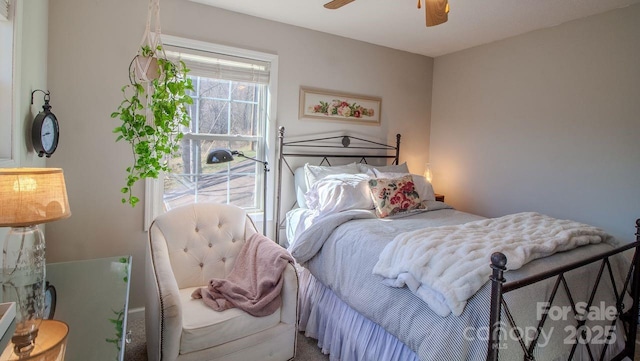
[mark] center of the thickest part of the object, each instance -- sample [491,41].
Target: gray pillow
[400,168]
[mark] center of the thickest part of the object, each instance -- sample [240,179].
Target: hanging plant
[154,108]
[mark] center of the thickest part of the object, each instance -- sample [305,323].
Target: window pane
[178,190]
[242,189]
[214,88]
[187,161]
[213,117]
[245,91]
[243,118]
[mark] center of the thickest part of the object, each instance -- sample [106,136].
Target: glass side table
[92,297]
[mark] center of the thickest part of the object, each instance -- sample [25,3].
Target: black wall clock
[50,298]
[45,131]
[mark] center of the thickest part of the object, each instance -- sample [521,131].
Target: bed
[527,312]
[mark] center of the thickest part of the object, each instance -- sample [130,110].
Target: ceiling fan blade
[336,4]
[436,11]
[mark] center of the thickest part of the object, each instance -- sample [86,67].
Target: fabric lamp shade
[32,196]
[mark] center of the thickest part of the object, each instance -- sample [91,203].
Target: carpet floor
[307,348]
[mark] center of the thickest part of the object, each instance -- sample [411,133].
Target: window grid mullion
[229,108]
[193,167]
[228,105]
[259,191]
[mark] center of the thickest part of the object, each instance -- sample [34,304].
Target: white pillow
[423,187]
[314,173]
[339,192]
[399,168]
[300,185]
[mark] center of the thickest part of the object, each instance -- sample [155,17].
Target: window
[232,98]
[224,114]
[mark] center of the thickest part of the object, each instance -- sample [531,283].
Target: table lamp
[222,155]
[427,172]
[50,346]
[28,197]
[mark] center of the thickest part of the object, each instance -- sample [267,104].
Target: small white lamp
[427,172]
[28,197]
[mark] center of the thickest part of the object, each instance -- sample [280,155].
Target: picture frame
[330,106]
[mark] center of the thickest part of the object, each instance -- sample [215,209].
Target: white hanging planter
[144,67]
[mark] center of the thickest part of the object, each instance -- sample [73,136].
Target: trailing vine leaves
[118,321]
[153,142]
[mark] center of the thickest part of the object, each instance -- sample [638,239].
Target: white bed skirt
[346,335]
[341,332]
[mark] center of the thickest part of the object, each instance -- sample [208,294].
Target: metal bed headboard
[325,148]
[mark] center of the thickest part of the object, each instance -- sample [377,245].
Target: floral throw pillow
[392,196]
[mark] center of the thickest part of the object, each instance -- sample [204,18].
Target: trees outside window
[225,114]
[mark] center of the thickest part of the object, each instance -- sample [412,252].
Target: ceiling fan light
[436,11]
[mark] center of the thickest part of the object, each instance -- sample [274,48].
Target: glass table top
[92,298]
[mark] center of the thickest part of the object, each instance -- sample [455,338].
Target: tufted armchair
[187,247]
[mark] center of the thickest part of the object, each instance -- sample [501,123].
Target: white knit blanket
[445,266]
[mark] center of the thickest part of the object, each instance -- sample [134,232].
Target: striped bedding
[343,263]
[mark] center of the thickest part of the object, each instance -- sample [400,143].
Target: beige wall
[90,47]
[548,121]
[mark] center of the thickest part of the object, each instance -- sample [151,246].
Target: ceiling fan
[436,11]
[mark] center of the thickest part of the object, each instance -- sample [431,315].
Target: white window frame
[154,188]
[9,70]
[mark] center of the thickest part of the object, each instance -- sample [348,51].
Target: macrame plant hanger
[146,67]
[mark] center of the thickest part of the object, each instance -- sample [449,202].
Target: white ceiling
[400,25]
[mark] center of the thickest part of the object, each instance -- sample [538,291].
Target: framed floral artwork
[328,105]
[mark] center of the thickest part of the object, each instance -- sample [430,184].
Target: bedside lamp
[29,196]
[427,172]
[222,155]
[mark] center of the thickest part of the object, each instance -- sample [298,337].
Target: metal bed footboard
[629,319]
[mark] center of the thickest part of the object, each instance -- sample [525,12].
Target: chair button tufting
[185,249]
[197,229]
[219,225]
[233,241]
[210,245]
[201,264]
[223,259]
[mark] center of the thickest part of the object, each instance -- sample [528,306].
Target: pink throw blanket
[254,283]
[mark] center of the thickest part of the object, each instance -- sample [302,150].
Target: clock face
[45,133]
[48,134]
[49,301]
